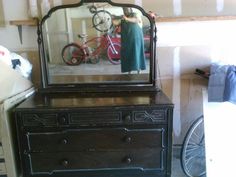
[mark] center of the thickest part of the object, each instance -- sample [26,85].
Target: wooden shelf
[20,23]
[194,18]
[30,22]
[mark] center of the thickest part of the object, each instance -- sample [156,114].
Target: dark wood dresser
[95,135]
[90,118]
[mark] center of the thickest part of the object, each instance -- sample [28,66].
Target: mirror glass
[97,43]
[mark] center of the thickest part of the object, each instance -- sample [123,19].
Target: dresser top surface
[76,100]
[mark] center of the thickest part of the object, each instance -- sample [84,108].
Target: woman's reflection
[132,42]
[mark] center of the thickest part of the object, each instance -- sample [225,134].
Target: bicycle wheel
[193,150]
[72,54]
[113,53]
[102,21]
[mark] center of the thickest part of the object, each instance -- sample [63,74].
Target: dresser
[125,135]
[90,118]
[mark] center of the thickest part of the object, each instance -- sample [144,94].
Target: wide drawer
[96,139]
[142,159]
[95,117]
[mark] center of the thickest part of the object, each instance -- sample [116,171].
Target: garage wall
[182,7]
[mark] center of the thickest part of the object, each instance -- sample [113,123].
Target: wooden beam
[30,22]
[194,18]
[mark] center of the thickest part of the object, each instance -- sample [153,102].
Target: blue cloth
[216,84]
[132,47]
[230,85]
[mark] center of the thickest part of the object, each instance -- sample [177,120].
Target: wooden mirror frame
[97,87]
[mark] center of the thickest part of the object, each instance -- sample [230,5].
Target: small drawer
[39,119]
[2,168]
[139,159]
[150,116]
[96,139]
[95,118]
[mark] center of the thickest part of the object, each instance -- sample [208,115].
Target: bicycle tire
[72,54]
[102,21]
[193,150]
[113,57]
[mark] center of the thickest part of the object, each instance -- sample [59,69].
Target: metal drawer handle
[63,119]
[127,139]
[64,141]
[127,118]
[127,160]
[65,163]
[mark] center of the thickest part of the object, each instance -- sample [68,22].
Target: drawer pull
[65,163]
[127,118]
[127,160]
[127,139]
[64,141]
[63,119]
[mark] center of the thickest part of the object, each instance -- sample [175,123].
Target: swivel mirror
[97,44]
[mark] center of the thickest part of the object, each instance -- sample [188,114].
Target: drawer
[142,159]
[150,116]
[78,118]
[139,116]
[97,117]
[40,119]
[87,118]
[96,139]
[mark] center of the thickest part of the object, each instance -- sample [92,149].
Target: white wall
[9,37]
[183,47]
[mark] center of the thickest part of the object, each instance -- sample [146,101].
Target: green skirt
[132,47]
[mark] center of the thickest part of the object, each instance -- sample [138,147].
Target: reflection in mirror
[97,43]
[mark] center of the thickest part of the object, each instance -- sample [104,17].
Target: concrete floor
[176,167]
[103,67]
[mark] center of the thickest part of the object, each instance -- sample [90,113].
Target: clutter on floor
[15,61]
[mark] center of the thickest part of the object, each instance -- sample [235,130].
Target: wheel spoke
[193,150]
[102,20]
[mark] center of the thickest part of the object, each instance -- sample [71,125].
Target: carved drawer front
[36,119]
[144,159]
[95,139]
[90,118]
[95,117]
[150,116]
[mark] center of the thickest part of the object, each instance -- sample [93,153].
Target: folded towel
[230,85]
[216,84]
